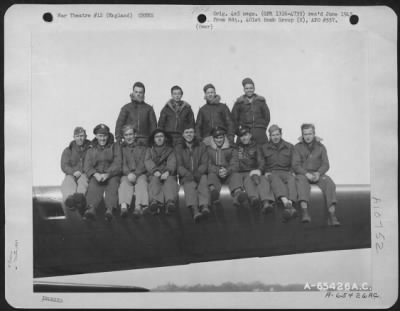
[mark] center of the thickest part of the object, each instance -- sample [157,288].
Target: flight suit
[254,114]
[313,158]
[248,157]
[277,160]
[133,162]
[72,160]
[211,115]
[143,118]
[226,157]
[174,117]
[162,159]
[192,170]
[103,159]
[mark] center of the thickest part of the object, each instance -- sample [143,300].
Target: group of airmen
[146,160]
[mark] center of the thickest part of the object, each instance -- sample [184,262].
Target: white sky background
[84,78]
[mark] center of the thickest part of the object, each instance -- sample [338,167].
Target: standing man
[251,109]
[223,165]
[213,114]
[137,113]
[75,183]
[310,163]
[277,157]
[192,160]
[175,115]
[134,177]
[103,168]
[160,163]
[250,168]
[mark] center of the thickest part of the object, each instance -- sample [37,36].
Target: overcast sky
[85,78]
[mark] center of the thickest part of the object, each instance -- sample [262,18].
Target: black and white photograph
[170,156]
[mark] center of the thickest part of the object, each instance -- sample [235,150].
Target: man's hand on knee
[132,177]
[310,177]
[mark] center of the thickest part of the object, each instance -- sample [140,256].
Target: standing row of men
[249,109]
[251,171]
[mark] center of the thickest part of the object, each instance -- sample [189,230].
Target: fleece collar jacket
[224,156]
[310,158]
[212,115]
[141,115]
[103,159]
[133,159]
[276,157]
[254,114]
[173,119]
[160,158]
[192,161]
[248,156]
[72,158]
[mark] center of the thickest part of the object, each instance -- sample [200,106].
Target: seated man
[310,163]
[250,167]
[103,168]
[192,160]
[75,183]
[134,177]
[222,164]
[277,158]
[160,163]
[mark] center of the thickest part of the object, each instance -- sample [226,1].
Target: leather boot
[70,202]
[80,202]
[196,214]
[239,197]
[305,217]
[205,211]
[170,207]
[287,215]
[153,207]
[267,207]
[214,195]
[124,211]
[332,219]
[255,203]
[137,212]
[90,213]
[293,212]
[108,215]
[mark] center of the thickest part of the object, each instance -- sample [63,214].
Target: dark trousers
[97,189]
[283,184]
[196,194]
[163,190]
[261,191]
[325,183]
[70,185]
[234,181]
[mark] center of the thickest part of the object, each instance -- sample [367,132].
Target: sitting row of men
[256,174]
[249,109]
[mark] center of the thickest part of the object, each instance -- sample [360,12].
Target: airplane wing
[62,287]
[65,244]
